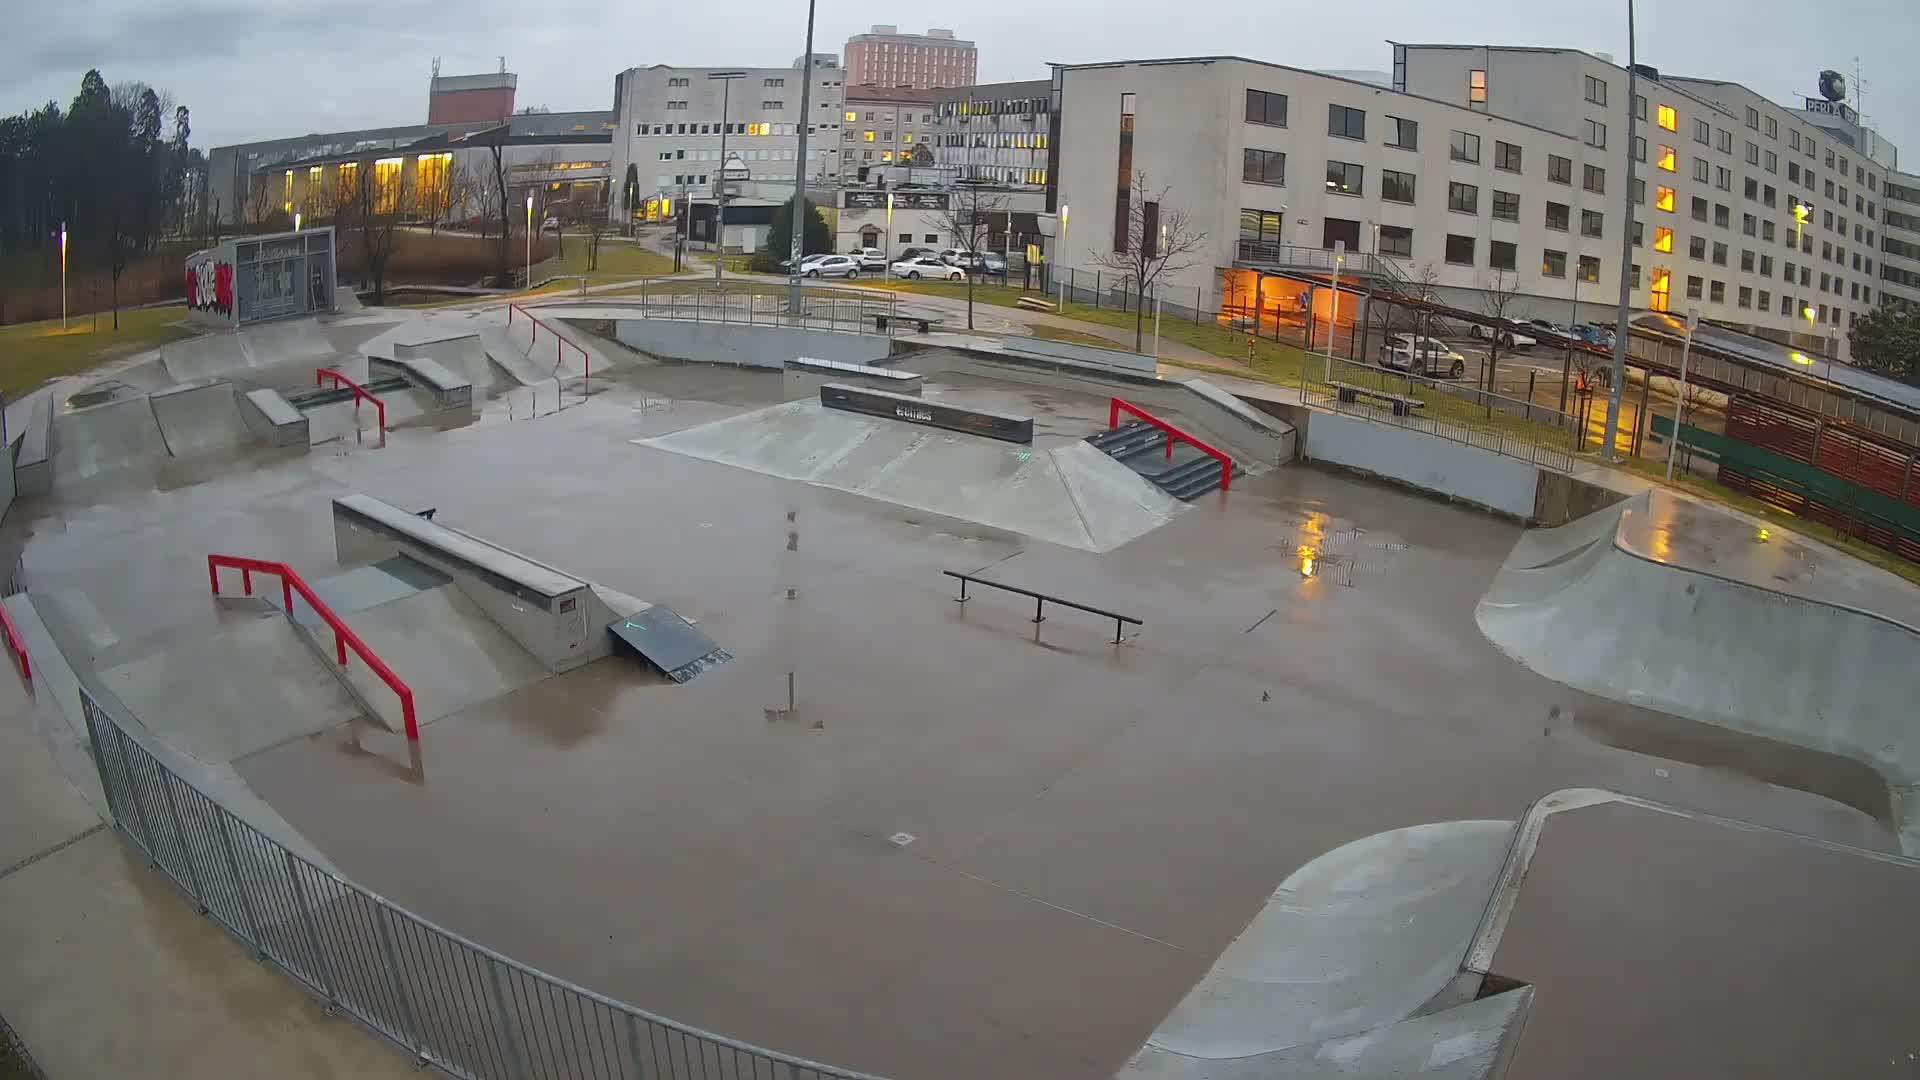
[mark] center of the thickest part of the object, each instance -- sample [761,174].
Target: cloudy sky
[260,70]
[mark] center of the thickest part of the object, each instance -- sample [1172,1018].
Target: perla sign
[1832,108]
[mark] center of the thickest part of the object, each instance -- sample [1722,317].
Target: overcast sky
[257,70]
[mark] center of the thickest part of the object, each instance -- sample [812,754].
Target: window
[1594,179]
[1723,178]
[1397,241]
[1702,132]
[1766,266]
[1786,305]
[1262,108]
[867,135]
[1786,272]
[1346,123]
[1639,107]
[1697,248]
[1553,263]
[1596,90]
[1596,135]
[1746,260]
[1502,255]
[1702,171]
[1264,167]
[1695,287]
[1723,140]
[1753,154]
[1749,225]
[1662,239]
[1260,226]
[1463,147]
[1506,206]
[1746,296]
[1750,188]
[1506,156]
[1476,95]
[906,238]
[1463,198]
[1639,192]
[1829,158]
[1403,134]
[1753,121]
[1589,270]
[1721,215]
[1793,139]
[1459,249]
[1717,292]
[1557,214]
[1773,128]
[1559,169]
[1591,222]
[1639,148]
[1793,172]
[1345,178]
[1699,206]
[1773,162]
[1719,253]
[1766,300]
[1769,197]
[1666,160]
[1667,118]
[852,116]
[1396,186]
[1661,282]
[1638,234]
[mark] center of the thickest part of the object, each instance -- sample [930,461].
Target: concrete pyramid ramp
[200,417]
[104,438]
[447,651]
[509,355]
[1621,619]
[1346,949]
[1071,495]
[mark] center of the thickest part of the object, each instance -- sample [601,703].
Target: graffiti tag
[210,287]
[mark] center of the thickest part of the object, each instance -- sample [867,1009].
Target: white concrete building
[995,132]
[1900,240]
[668,126]
[1722,169]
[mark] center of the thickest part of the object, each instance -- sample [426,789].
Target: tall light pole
[1686,349]
[529,238]
[887,271]
[63,275]
[1062,252]
[725,79]
[1800,213]
[1616,383]
[1156,295]
[798,217]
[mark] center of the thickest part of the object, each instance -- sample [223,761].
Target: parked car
[1594,334]
[908,254]
[869,258]
[928,266]
[1422,356]
[985,262]
[1512,335]
[954,256]
[845,266]
[1548,326]
[809,260]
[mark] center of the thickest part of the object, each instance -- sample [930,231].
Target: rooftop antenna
[1859,93]
[436,67]
[503,65]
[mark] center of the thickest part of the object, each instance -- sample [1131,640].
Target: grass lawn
[32,353]
[1077,337]
[619,260]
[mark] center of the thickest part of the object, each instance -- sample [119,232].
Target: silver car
[1421,356]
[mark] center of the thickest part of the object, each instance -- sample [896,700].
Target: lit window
[1662,284]
[1667,118]
[1662,238]
[1663,199]
[1667,159]
[852,116]
[867,135]
[1477,86]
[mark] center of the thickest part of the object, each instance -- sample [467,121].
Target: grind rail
[1041,600]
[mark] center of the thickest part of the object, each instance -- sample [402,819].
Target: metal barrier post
[186,849]
[387,956]
[1037,605]
[516,1061]
[313,936]
[240,887]
[139,804]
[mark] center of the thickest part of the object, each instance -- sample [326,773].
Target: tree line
[113,168]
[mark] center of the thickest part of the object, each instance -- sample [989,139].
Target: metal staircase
[1186,475]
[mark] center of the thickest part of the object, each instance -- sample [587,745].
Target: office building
[886,57]
[995,132]
[1900,240]
[884,126]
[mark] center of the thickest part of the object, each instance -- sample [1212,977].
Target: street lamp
[887,270]
[296,221]
[529,238]
[1801,211]
[1057,256]
[725,79]
[1673,443]
[1156,298]
[1620,332]
[796,247]
[63,275]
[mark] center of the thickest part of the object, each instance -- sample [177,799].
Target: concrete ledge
[1121,359]
[32,465]
[1101,374]
[745,344]
[273,419]
[449,391]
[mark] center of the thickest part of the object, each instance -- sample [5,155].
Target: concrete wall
[32,463]
[1086,354]
[1458,471]
[750,346]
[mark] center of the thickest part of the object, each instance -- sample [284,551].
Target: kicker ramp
[560,619]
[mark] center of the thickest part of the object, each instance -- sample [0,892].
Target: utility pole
[1619,379]
[798,217]
[720,179]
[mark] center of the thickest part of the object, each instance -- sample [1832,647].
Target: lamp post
[1063,250]
[1686,349]
[63,275]
[529,238]
[1333,303]
[1156,298]
[798,218]
[886,271]
[1800,213]
[1617,382]
[296,221]
[725,78]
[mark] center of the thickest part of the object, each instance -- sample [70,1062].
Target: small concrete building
[252,279]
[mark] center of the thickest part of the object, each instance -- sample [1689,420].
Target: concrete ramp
[464,355]
[510,358]
[200,418]
[1638,615]
[104,438]
[447,651]
[1071,494]
[216,697]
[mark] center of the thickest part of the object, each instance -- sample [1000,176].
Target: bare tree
[969,218]
[370,207]
[263,200]
[1496,297]
[493,194]
[597,226]
[1160,239]
[458,198]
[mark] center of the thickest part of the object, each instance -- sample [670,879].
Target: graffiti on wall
[210,287]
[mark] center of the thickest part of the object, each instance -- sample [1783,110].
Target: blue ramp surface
[669,642]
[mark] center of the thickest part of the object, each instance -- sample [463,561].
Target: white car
[1512,334]
[954,257]
[845,266]
[928,266]
[1422,356]
[869,258]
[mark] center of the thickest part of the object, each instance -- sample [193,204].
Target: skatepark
[627,656]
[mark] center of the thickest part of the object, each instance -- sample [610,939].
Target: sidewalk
[111,972]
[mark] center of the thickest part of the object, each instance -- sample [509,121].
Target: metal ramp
[668,642]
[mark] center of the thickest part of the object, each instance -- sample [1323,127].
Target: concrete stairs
[1186,475]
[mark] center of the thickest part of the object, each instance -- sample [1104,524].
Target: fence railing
[450,1003]
[559,343]
[360,393]
[343,636]
[1540,434]
[17,645]
[848,310]
[1116,406]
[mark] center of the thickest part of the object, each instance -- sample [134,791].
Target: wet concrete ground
[976,846]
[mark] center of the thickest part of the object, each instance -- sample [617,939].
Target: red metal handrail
[321,375]
[17,644]
[343,636]
[586,362]
[1174,434]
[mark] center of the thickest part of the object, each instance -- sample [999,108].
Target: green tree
[779,243]
[1887,340]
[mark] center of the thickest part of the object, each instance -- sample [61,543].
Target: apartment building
[1900,240]
[669,123]
[884,126]
[995,132]
[886,57]
[1745,209]
[1264,158]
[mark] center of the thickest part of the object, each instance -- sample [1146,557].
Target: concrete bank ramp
[1325,978]
[510,358]
[1622,617]
[1070,494]
[447,651]
[103,438]
[200,417]
[463,355]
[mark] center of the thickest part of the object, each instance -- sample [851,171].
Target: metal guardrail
[452,1004]
[1040,602]
[848,311]
[1538,434]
